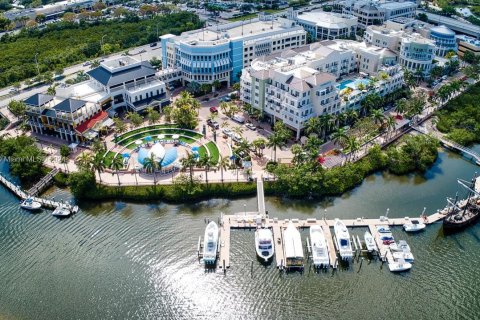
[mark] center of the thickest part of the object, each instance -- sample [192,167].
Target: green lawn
[214,152]
[155,132]
[109,158]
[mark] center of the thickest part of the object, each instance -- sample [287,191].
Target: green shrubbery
[460,119]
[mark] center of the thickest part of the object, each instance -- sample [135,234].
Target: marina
[254,220]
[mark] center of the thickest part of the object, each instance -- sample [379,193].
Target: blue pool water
[352,83]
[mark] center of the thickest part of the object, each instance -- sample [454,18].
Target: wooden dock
[331,247]
[43,183]
[278,244]
[49,204]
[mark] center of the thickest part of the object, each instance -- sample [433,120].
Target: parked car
[153,44]
[86,64]
[142,51]
[236,137]
[239,118]
[226,99]
[250,126]
[214,124]
[205,99]
[227,132]
[213,110]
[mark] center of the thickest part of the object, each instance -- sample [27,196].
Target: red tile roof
[90,123]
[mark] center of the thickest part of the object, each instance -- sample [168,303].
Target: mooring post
[360,268]
[251,269]
[224,269]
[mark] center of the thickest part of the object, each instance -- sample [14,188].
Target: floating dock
[49,204]
[252,220]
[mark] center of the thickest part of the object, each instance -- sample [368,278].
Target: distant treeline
[66,43]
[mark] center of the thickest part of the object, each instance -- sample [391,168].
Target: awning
[90,134]
[90,123]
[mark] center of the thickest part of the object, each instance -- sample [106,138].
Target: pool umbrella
[148,138]
[195,148]
[175,136]
[170,157]
[161,136]
[126,155]
[138,142]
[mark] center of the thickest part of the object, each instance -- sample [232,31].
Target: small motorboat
[400,246]
[384,229]
[414,226]
[61,212]
[30,204]
[402,255]
[319,247]
[386,236]
[210,243]
[343,240]
[370,242]
[399,266]
[264,243]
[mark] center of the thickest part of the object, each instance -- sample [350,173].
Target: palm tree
[52,90]
[313,126]
[223,164]
[275,141]
[223,106]
[401,106]
[377,116]
[353,145]
[342,118]
[390,123]
[84,160]
[117,164]
[98,164]
[340,137]
[151,165]
[205,162]
[298,154]
[259,144]
[325,120]
[352,116]
[188,162]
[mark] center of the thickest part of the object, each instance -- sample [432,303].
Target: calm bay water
[119,260]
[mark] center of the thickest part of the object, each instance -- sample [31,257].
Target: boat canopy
[293,242]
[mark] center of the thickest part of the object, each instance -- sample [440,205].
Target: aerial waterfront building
[124,83]
[69,119]
[325,25]
[371,12]
[219,53]
[299,84]
[417,53]
[466,43]
[445,40]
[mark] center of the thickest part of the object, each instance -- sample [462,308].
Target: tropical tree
[326,122]
[223,106]
[216,85]
[223,164]
[18,108]
[134,118]
[185,111]
[299,156]
[352,116]
[205,162]
[353,146]
[84,161]
[98,164]
[313,126]
[340,137]
[152,115]
[312,147]
[151,165]
[189,162]
[236,86]
[117,165]
[120,126]
[193,87]
[371,102]
[390,123]
[279,138]
[401,106]
[259,145]
[377,116]
[52,90]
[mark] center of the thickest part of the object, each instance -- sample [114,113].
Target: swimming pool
[352,83]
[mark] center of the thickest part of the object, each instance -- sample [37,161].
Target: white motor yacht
[61,212]
[384,229]
[401,255]
[370,242]
[343,240]
[400,246]
[319,247]
[293,249]
[414,226]
[399,266]
[264,243]
[30,204]
[210,243]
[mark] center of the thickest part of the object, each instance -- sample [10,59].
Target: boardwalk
[43,183]
[50,204]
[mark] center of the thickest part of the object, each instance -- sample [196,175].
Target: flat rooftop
[397,5]
[327,19]
[236,30]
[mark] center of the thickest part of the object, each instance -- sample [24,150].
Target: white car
[227,132]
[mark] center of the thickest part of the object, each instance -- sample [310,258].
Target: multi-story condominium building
[68,119]
[466,43]
[121,83]
[219,53]
[369,59]
[294,86]
[390,35]
[374,12]
[325,25]
[417,53]
[283,89]
[445,40]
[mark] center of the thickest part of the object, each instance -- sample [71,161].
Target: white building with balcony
[417,53]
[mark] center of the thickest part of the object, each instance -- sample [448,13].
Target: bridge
[43,183]
[474,156]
